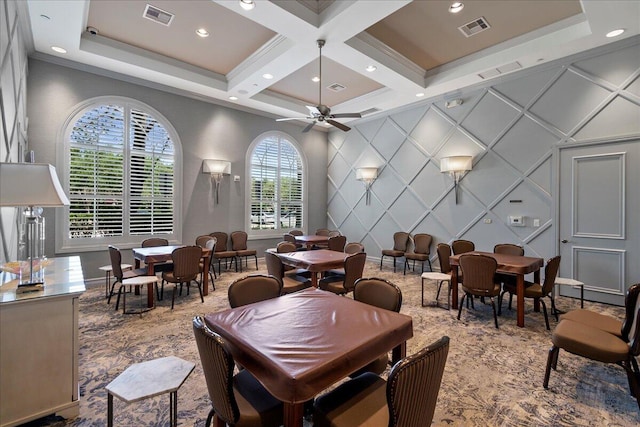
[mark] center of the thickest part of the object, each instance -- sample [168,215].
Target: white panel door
[599,225]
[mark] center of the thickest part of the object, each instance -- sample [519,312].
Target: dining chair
[444,275]
[353,248]
[210,244]
[337,243]
[283,247]
[379,293]
[237,400]
[253,288]
[461,246]
[334,233]
[322,232]
[296,232]
[400,243]
[202,240]
[154,242]
[290,283]
[222,252]
[595,320]
[239,245]
[596,344]
[353,268]
[508,249]
[186,269]
[537,291]
[421,252]
[407,399]
[121,276]
[479,280]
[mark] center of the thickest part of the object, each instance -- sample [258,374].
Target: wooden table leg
[314,279]
[150,272]
[109,410]
[454,286]
[536,302]
[520,301]
[398,353]
[293,413]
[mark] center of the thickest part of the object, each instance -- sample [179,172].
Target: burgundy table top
[299,344]
[315,260]
[159,253]
[507,263]
[312,238]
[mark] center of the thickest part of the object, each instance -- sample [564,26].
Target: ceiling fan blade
[339,125]
[346,115]
[309,126]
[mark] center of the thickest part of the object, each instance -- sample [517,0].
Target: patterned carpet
[493,377]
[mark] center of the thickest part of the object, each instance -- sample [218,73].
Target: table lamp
[31,185]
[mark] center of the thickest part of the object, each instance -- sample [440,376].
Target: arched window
[276,185]
[121,174]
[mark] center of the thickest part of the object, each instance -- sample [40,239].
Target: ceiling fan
[320,112]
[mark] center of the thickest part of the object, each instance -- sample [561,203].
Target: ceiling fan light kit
[322,113]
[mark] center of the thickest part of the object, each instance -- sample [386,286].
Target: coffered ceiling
[416,47]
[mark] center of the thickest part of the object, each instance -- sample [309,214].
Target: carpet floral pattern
[493,376]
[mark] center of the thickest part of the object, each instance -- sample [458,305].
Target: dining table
[311,240]
[157,254]
[516,265]
[315,261]
[299,344]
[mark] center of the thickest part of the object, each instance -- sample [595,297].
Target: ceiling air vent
[157,15]
[336,87]
[474,27]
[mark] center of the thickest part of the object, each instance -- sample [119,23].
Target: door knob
[564,241]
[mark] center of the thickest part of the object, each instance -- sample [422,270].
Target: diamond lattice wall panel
[336,139]
[331,190]
[430,225]
[408,161]
[369,157]
[383,231]
[525,143]
[634,87]
[369,129]
[407,210]
[368,215]
[355,227]
[539,246]
[338,209]
[524,201]
[615,67]
[621,115]
[331,151]
[388,139]
[524,90]
[457,113]
[460,143]
[499,113]
[408,119]
[353,147]
[338,170]
[431,130]
[568,101]
[352,190]
[541,176]
[430,184]
[490,178]
[486,236]
[452,216]
[387,186]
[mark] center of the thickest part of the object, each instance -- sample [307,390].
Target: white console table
[39,345]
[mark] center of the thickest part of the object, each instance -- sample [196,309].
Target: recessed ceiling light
[267,76]
[456,7]
[202,32]
[371,68]
[58,49]
[233,98]
[247,4]
[420,94]
[615,33]
[315,79]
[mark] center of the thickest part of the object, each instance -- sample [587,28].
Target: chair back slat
[478,272]
[253,288]
[217,365]
[222,238]
[154,241]
[461,246]
[444,252]
[400,241]
[186,263]
[239,240]
[285,247]
[414,384]
[336,243]
[422,243]
[508,249]
[353,268]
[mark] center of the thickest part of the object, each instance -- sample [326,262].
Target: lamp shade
[456,164]
[212,166]
[30,184]
[366,173]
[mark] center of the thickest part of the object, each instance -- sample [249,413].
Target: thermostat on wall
[516,221]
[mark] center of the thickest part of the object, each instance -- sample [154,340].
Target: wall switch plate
[487,220]
[536,222]
[516,220]
[236,178]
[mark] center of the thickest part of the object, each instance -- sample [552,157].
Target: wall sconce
[367,175]
[217,169]
[456,166]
